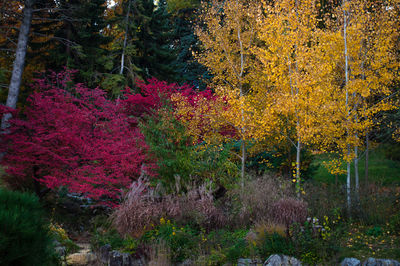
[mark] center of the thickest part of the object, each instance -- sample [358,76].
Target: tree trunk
[19,61]
[243,159]
[298,150]
[356,176]
[121,71]
[348,185]
[242,129]
[366,157]
[346,56]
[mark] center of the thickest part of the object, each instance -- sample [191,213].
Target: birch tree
[288,32]
[227,33]
[19,61]
[358,53]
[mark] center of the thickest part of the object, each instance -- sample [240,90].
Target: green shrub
[177,156]
[238,250]
[24,233]
[316,243]
[274,244]
[181,241]
[374,231]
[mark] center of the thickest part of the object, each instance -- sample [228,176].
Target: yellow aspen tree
[357,51]
[227,34]
[288,32]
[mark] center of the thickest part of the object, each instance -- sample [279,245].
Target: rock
[281,260]
[350,262]
[122,259]
[115,258]
[104,253]
[81,259]
[249,262]
[380,262]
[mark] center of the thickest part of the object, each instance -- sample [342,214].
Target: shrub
[142,207]
[195,207]
[317,243]
[322,198]
[262,229]
[258,197]
[138,210]
[24,233]
[288,211]
[274,244]
[73,137]
[182,242]
[238,250]
[226,246]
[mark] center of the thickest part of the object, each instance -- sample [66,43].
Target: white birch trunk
[19,61]
[298,150]
[346,56]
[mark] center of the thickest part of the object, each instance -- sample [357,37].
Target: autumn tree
[358,63]
[288,31]
[227,34]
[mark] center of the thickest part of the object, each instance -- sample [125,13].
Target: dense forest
[188,132]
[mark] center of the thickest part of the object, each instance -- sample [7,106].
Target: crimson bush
[73,136]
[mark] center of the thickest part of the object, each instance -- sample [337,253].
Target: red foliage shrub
[73,136]
[152,96]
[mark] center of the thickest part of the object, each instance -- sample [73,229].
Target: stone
[81,259]
[249,262]
[281,260]
[380,262]
[115,258]
[122,259]
[104,253]
[350,262]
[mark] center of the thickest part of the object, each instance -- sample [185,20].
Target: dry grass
[139,209]
[258,197]
[288,211]
[142,207]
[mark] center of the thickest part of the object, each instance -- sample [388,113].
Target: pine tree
[81,40]
[186,43]
[142,46]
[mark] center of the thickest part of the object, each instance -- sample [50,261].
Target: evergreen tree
[186,42]
[80,40]
[142,47]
